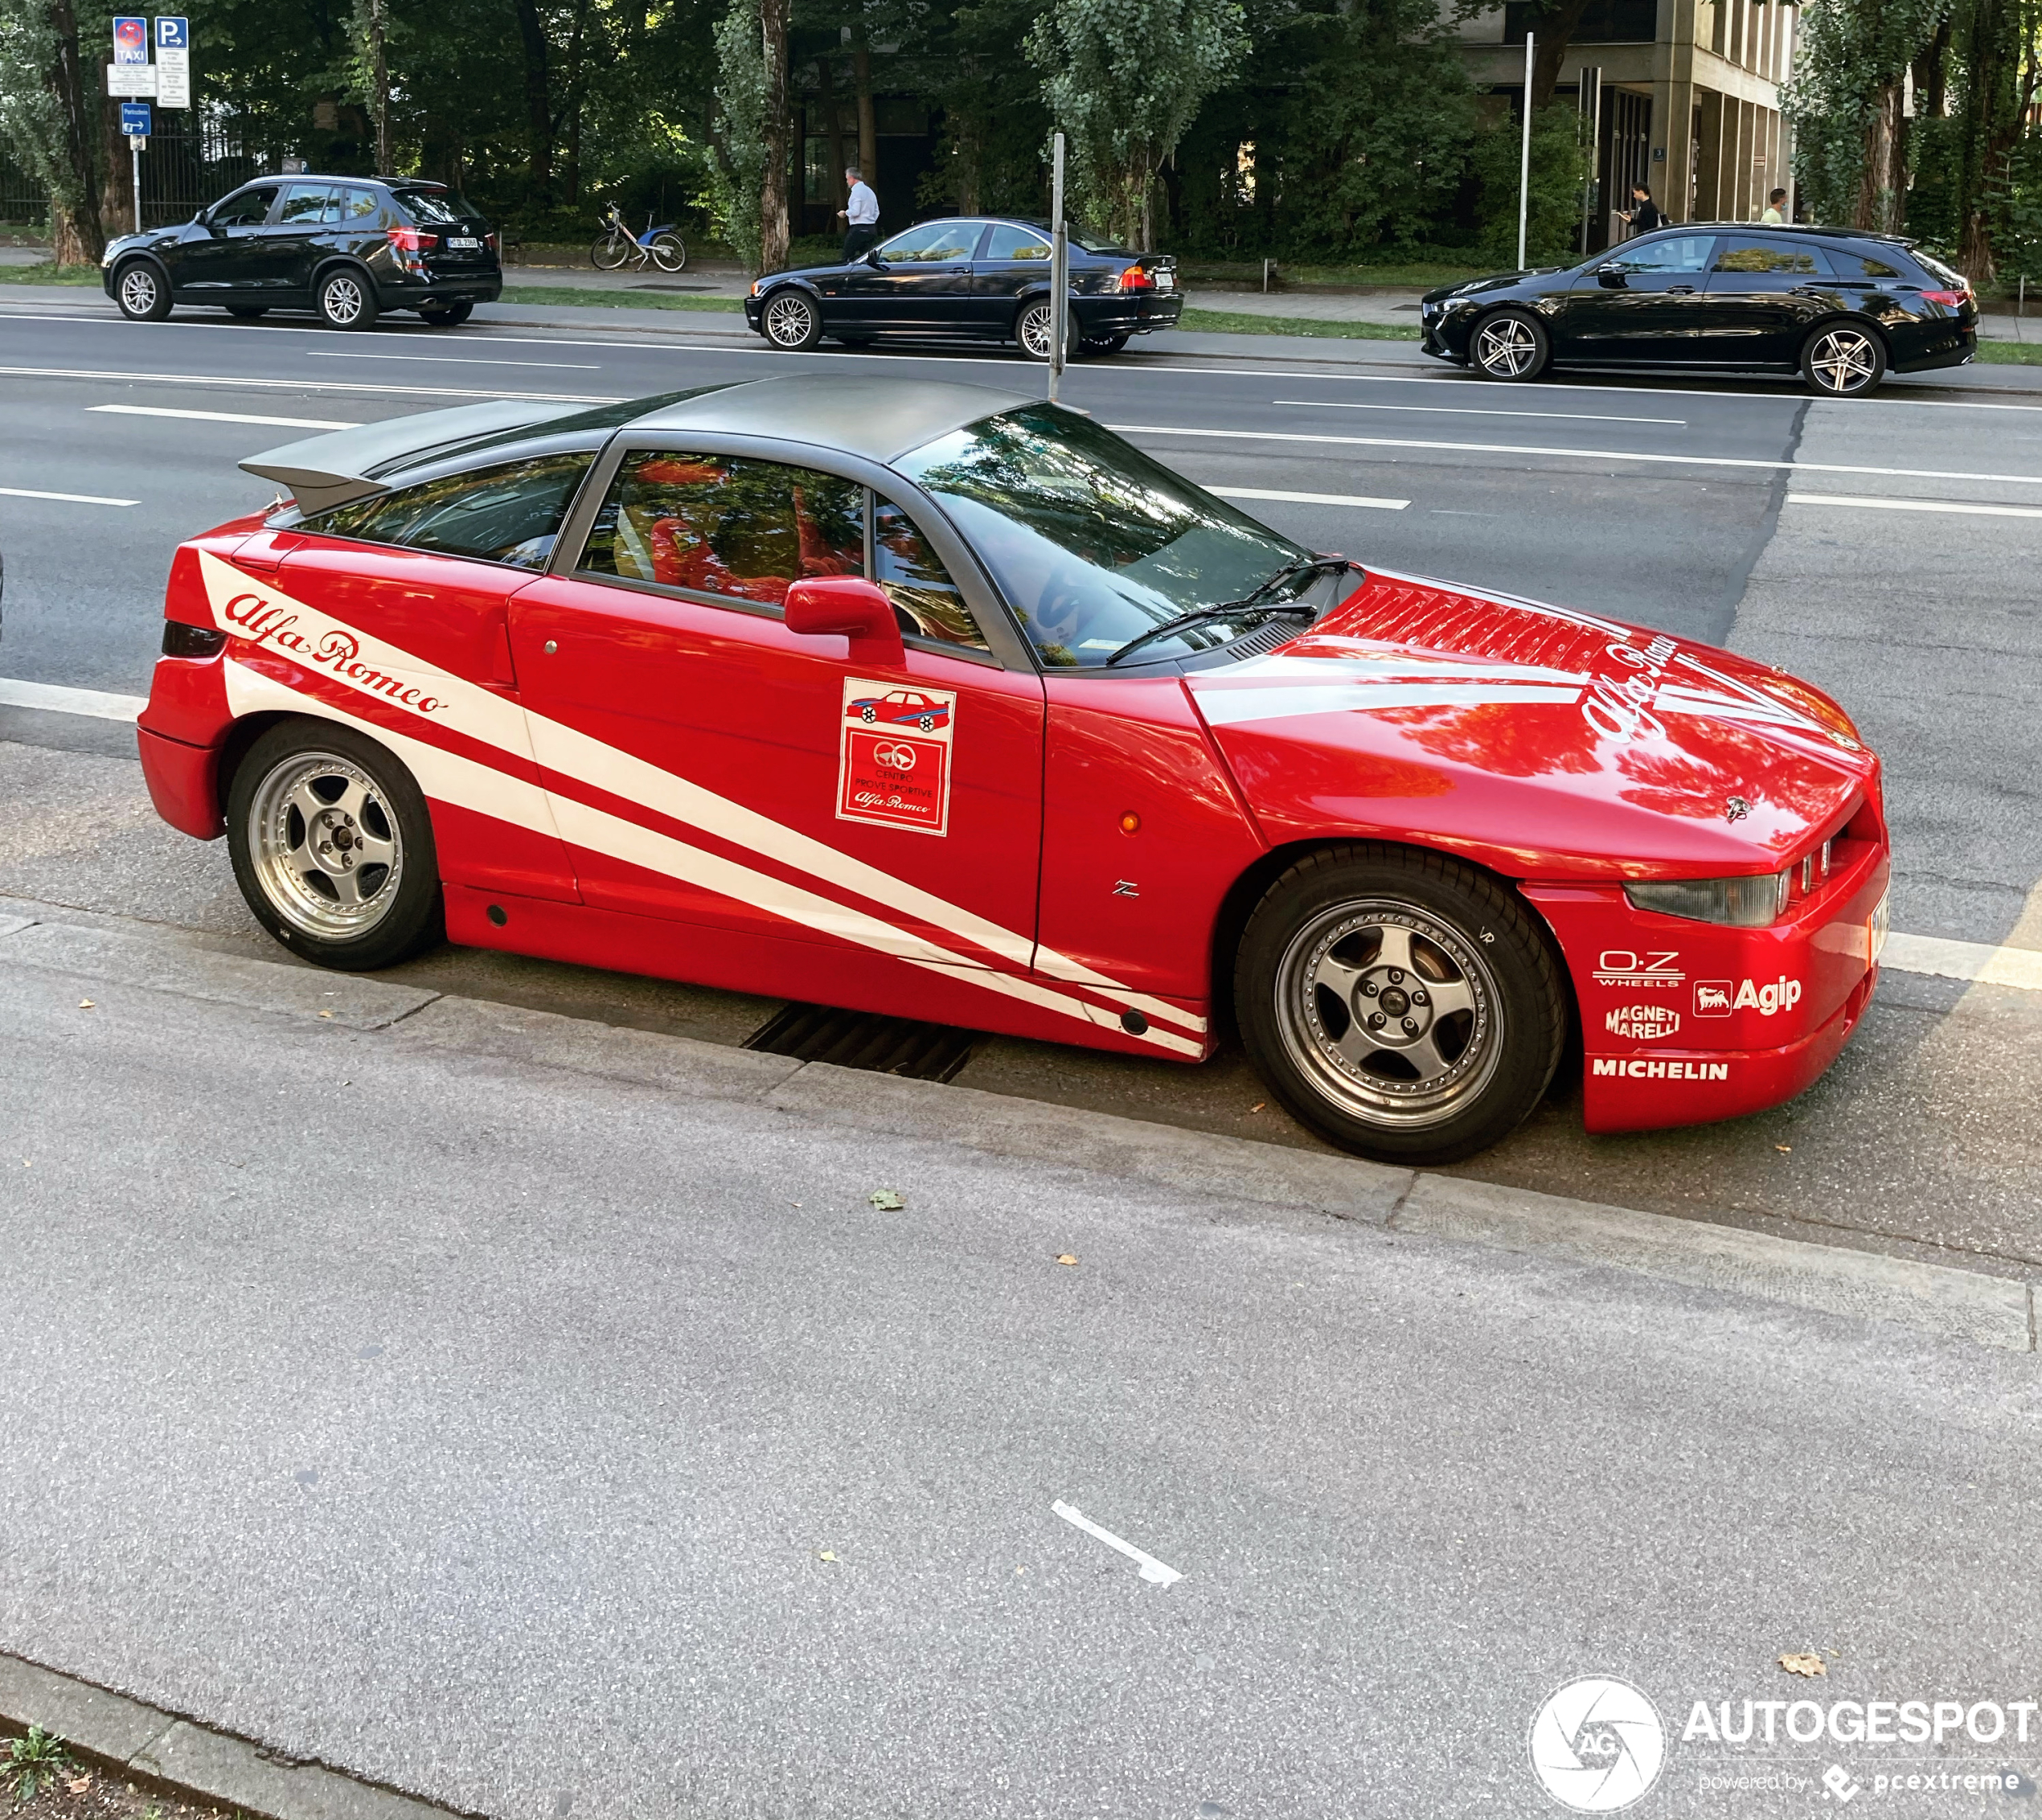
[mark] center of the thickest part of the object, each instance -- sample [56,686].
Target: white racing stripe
[1309,498]
[221,416]
[1153,1571]
[52,700]
[1474,411]
[62,498]
[1575,454]
[1959,506]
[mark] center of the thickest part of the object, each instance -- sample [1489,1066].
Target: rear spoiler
[344,464]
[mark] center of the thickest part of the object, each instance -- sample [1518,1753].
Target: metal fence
[193,162]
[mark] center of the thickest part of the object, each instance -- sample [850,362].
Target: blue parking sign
[172,33]
[134,119]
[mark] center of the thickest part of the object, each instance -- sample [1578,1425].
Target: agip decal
[893,765]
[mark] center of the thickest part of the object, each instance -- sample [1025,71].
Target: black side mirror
[873,259]
[1612,275]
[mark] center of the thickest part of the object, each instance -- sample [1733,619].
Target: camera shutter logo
[1598,1744]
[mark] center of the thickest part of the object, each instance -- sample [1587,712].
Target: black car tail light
[1953,299]
[409,239]
[1136,278]
[183,640]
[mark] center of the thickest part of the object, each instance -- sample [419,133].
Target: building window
[1603,21]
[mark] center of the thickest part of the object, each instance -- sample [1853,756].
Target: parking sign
[172,33]
[130,40]
[134,119]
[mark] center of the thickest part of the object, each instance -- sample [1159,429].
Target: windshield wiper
[1256,603]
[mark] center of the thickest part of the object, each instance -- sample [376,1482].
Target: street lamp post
[1059,269]
[1524,156]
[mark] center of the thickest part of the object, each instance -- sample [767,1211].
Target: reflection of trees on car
[925,599]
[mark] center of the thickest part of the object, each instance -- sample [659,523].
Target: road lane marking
[1152,1570]
[463,360]
[1978,961]
[1575,454]
[1473,411]
[297,385]
[67,499]
[1309,498]
[1874,505]
[95,703]
[222,417]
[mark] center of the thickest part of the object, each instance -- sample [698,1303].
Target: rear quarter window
[1847,264]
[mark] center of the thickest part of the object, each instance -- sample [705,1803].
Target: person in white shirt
[861,215]
[1772,218]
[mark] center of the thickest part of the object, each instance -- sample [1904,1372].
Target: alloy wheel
[1036,332]
[1844,360]
[342,301]
[1507,347]
[1391,1013]
[326,845]
[789,320]
[138,290]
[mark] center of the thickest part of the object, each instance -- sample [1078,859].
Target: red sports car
[476,681]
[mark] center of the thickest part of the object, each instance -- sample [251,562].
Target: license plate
[462,243]
[1877,929]
[1165,281]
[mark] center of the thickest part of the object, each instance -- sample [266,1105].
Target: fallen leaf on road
[1809,1664]
[85,1004]
[79,1786]
[827,1555]
[1784,1150]
[887,1200]
[1065,1257]
[1258,1106]
[326,1014]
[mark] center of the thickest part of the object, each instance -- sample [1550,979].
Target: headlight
[756,284]
[1744,904]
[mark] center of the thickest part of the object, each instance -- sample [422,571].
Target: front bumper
[1686,1023]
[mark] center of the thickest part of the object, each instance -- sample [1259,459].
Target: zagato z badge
[893,763]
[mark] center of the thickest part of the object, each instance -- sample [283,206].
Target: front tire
[791,321]
[609,254]
[1402,1005]
[140,290]
[1034,331]
[1510,346]
[332,847]
[450,317]
[1844,361]
[345,299]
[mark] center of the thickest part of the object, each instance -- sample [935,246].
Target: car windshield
[1091,542]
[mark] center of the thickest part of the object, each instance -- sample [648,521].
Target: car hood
[1541,740]
[1496,281]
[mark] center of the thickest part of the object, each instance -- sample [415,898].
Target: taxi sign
[130,40]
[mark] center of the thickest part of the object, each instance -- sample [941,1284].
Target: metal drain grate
[863,1040]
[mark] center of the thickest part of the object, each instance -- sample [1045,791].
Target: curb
[178,1756]
[1943,1300]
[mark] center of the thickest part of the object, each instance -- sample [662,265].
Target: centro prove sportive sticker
[893,763]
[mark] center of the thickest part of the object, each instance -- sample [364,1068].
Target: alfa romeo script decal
[893,756]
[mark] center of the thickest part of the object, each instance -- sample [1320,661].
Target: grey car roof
[877,416]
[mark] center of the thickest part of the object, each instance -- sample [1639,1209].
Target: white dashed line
[1152,1570]
[1475,410]
[1913,504]
[466,360]
[66,498]
[221,416]
[1978,961]
[94,702]
[1310,499]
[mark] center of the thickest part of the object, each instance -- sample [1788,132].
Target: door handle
[1680,290]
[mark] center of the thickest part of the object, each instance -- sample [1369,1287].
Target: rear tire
[346,299]
[1402,1005]
[332,845]
[141,293]
[451,317]
[1843,360]
[669,253]
[1510,346]
[1105,344]
[791,321]
[247,312]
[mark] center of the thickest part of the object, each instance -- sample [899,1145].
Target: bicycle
[658,246]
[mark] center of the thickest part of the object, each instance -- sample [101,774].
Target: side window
[1736,254]
[361,208]
[1683,252]
[926,245]
[1009,241]
[925,599]
[507,513]
[726,525]
[305,203]
[246,209]
[1861,266]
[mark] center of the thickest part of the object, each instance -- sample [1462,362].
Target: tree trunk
[117,202]
[826,83]
[379,74]
[1885,152]
[76,233]
[869,131]
[574,43]
[1555,33]
[772,202]
[539,107]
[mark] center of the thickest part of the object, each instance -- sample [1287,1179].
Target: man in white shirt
[1772,218]
[861,215]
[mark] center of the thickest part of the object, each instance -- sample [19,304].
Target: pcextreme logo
[1719,997]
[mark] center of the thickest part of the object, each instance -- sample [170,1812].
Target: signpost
[1059,269]
[1524,156]
[167,81]
[173,61]
[134,122]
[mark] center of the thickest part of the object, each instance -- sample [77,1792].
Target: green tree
[46,111]
[738,135]
[1559,167]
[1122,79]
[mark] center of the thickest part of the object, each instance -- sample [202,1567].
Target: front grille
[863,1040]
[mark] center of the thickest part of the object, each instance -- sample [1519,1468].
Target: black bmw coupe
[982,278]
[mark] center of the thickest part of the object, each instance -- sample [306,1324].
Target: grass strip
[1235,323]
[2010,353]
[47,274]
[571,295]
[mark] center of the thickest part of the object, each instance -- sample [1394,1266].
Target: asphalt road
[1885,548]
[552,1446]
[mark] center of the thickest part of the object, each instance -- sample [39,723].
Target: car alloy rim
[138,290]
[787,321]
[1507,347]
[1843,361]
[1035,331]
[1391,1015]
[327,849]
[343,299]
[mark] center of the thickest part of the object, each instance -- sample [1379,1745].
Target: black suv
[347,247]
[1840,307]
